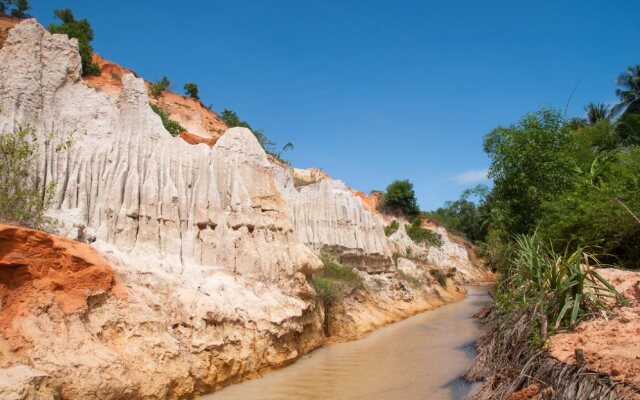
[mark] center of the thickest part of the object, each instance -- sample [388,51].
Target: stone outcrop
[209,249]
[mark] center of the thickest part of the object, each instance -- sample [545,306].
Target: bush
[564,287]
[423,236]
[160,86]
[338,272]
[24,200]
[170,125]
[391,228]
[191,90]
[400,197]
[81,30]
[18,8]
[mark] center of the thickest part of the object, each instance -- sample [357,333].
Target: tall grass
[564,287]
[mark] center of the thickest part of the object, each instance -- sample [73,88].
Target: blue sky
[373,91]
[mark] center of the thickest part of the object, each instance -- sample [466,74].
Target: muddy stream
[419,358]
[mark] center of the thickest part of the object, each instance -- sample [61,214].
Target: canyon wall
[210,250]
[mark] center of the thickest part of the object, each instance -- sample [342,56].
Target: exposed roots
[508,362]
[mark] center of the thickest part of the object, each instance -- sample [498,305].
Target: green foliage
[191,90]
[81,30]
[421,235]
[24,200]
[530,165]
[629,91]
[337,272]
[173,127]
[327,289]
[160,86]
[391,228]
[466,217]
[400,197]
[597,112]
[601,208]
[18,8]
[564,287]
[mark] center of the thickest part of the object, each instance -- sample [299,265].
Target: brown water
[418,358]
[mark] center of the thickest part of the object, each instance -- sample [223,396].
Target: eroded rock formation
[209,250]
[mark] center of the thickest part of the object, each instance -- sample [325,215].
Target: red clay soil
[370,202]
[6,22]
[38,270]
[190,113]
[611,346]
[195,139]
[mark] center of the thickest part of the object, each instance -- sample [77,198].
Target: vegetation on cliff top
[78,29]
[173,127]
[18,8]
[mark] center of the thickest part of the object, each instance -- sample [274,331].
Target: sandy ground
[611,346]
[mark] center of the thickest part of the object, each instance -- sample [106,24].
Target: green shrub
[423,236]
[401,198]
[564,287]
[327,289]
[24,200]
[81,30]
[338,272]
[18,7]
[170,125]
[159,86]
[391,228]
[191,90]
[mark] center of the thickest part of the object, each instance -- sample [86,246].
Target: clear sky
[373,91]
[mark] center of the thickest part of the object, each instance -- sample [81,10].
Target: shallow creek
[418,358]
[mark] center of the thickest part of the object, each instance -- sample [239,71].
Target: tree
[286,147]
[400,197]
[191,89]
[160,86]
[530,164]
[81,30]
[19,7]
[596,112]
[629,93]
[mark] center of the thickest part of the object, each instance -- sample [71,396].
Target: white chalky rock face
[214,275]
[327,216]
[142,190]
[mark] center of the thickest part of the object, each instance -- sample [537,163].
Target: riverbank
[596,359]
[418,356]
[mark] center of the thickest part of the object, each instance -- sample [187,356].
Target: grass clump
[423,236]
[391,228]
[173,127]
[24,198]
[332,283]
[159,86]
[564,287]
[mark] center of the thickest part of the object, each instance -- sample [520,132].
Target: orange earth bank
[611,346]
[39,270]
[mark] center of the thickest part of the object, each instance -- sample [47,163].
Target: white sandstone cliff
[212,247]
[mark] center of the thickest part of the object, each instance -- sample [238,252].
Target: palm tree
[597,112]
[288,146]
[629,93]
